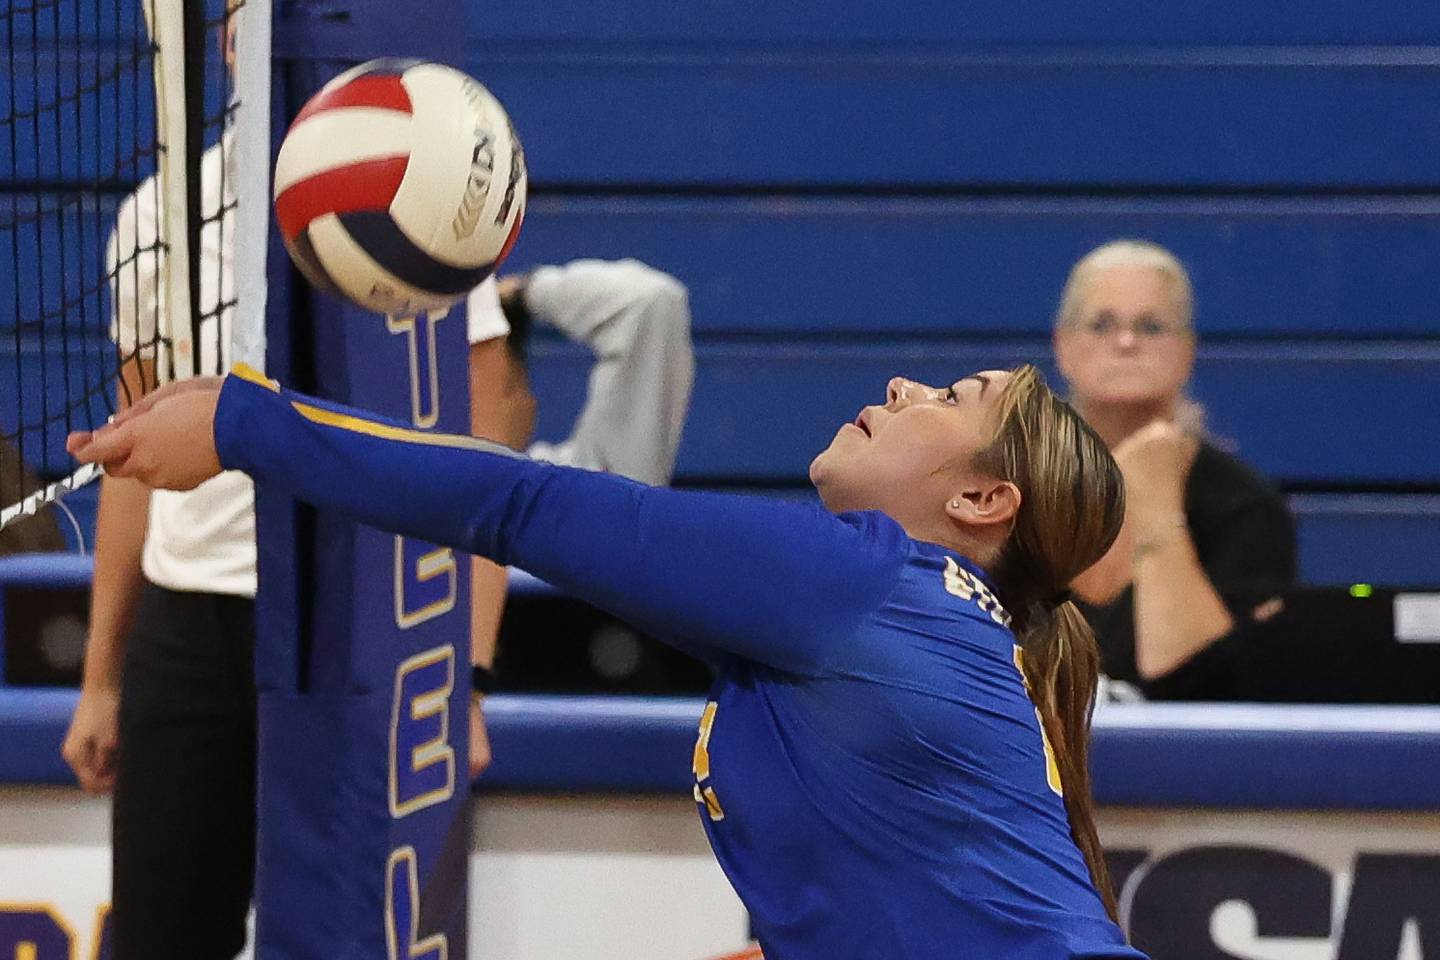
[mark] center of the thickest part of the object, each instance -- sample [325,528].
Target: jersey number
[700,766]
[1052,769]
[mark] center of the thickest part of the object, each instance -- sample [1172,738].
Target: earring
[954,504]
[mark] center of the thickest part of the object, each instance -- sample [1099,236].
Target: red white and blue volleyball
[401,186]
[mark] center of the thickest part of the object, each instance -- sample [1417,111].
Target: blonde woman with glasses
[1206,537]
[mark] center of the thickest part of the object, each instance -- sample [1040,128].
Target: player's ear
[984,502]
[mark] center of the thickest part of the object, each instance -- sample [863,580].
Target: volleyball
[400,186]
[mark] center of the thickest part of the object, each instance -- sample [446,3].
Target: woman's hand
[166,441]
[1156,462]
[93,739]
[479,738]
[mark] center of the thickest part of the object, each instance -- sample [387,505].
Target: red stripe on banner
[367,185]
[372,90]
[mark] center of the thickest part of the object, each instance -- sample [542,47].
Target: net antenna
[173,25]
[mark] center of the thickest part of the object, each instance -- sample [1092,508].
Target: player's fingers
[76,751]
[144,405]
[81,757]
[125,467]
[148,402]
[89,782]
[102,768]
[136,409]
[110,444]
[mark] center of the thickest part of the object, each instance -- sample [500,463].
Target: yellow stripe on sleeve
[384,431]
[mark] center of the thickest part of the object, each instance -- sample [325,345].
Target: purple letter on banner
[402,908]
[422,762]
[35,927]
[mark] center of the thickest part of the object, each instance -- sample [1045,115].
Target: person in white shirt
[637,322]
[166,717]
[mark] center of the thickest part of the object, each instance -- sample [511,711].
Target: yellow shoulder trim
[248,373]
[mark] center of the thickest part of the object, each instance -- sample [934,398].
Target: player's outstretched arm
[780,583]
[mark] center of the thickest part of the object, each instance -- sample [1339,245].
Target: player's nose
[900,391]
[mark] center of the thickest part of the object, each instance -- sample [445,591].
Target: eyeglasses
[1107,325]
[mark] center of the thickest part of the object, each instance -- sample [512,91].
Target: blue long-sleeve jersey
[870,769]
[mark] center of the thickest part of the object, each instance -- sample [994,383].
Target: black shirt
[1245,538]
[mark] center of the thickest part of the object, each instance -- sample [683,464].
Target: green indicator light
[1361,590]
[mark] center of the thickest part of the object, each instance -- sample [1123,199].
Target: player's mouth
[862,423]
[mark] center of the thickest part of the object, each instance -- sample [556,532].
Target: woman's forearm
[1178,612]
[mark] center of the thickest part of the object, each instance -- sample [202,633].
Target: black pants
[183,831]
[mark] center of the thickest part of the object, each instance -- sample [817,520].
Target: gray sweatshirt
[637,321]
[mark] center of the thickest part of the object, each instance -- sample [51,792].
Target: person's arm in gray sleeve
[637,321]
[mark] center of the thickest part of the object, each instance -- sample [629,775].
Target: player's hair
[1127,253]
[1072,506]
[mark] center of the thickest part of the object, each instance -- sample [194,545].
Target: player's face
[903,457]
[1128,345]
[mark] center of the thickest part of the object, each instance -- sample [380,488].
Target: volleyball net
[122,130]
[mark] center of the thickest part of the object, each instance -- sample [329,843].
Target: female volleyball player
[874,776]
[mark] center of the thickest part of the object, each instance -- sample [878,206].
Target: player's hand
[92,741]
[1156,462]
[479,738]
[166,441]
[167,392]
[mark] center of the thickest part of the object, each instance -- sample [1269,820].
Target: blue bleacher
[800,266]
[997,25]
[1311,415]
[1076,120]
[1003,94]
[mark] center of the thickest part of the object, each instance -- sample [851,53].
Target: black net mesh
[215,275]
[84,318]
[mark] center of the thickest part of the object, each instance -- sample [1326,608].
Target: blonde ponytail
[1062,666]
[1072,506]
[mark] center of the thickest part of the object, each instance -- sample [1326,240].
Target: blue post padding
[334,624]
[323,806]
